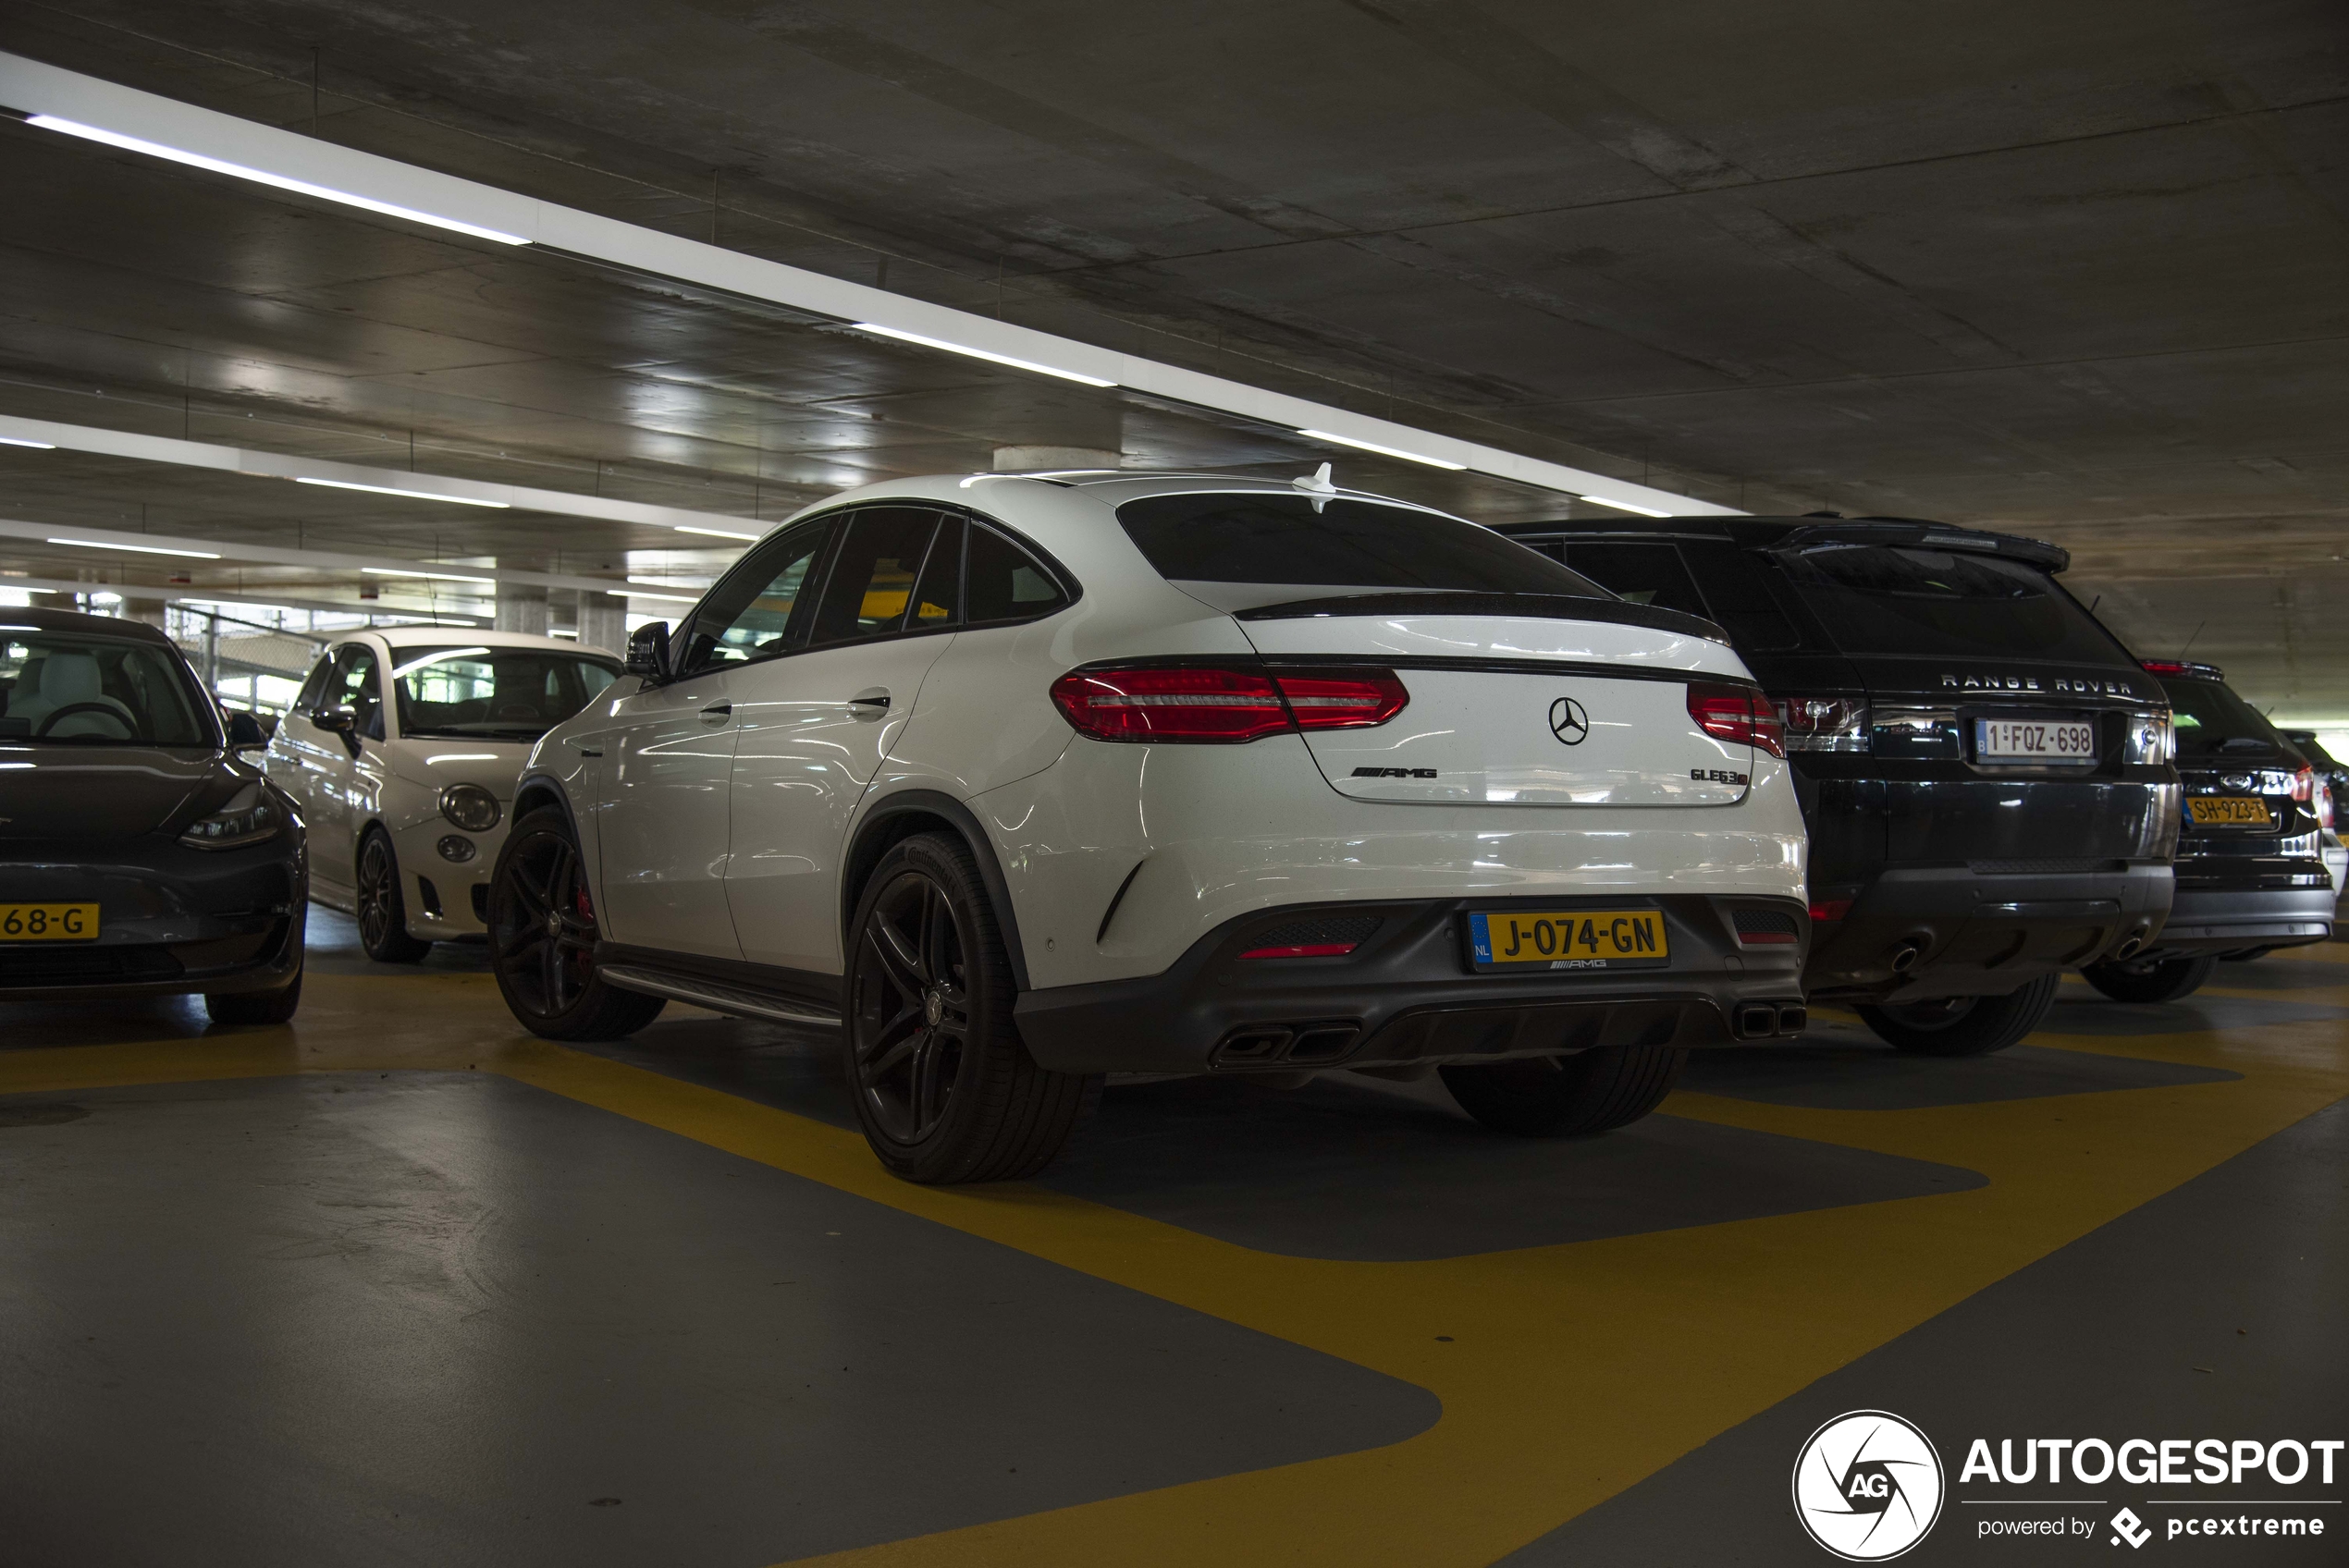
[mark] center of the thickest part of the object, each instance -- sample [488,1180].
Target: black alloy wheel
[945,1089]
[2150,980]
[1963,1025]
[1566,1096]
[383,912]
[541,939]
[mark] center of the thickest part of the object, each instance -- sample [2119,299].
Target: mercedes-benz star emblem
[1569,722]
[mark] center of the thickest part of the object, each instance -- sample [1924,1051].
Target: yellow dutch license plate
[48,923]
[2228,811]
[1590,938]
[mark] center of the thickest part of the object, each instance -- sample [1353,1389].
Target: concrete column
[520,609]
[1013,459]
[603,623]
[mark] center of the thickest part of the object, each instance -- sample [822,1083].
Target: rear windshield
[492,694]
[1335,544]
[1901,599]
[66,689]
[2213,722]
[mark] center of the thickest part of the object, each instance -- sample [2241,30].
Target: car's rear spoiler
[1538,606]
[1927,535]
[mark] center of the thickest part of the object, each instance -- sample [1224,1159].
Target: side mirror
[342,721]
[649,651]
[244,731]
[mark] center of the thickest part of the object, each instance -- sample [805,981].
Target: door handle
[871,704]
[717,713]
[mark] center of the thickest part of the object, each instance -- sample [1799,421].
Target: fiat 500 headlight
[250,817]
[470,806]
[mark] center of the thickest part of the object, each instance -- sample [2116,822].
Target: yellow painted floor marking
[1572,1371]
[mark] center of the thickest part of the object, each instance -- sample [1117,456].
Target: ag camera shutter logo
[1868,1486]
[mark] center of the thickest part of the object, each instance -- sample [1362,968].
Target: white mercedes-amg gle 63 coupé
[1022,779]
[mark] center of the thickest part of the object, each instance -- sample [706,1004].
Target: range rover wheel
[382,913]
[945,1090]
[2150,980]
[541,939]
[255,1007]
[1963,1025]
[1555,1096]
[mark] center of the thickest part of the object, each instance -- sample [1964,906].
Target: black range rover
[2251,870]
[1985,770]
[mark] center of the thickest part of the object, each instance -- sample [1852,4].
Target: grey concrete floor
[397,1285]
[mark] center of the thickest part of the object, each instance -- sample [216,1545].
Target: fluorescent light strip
[438,576]
[262,177]
[716,532]
[663,582]
[904,337]
[1383,451]
[37,446]
[1625,507]
[411,494]
[640,593]
[138,549]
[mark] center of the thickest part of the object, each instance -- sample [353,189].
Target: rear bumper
[1918,933]
[1408,996]
[2223,920]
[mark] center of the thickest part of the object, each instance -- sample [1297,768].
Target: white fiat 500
[402,749]
[1024,779]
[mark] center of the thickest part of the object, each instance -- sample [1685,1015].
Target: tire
[2151,980]
[1566,1096]
[383,911]
[541,939]
[1963,1025]
[945,1090]
[255,1007]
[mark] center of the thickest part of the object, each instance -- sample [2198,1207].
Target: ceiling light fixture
[20,441]
[1625,507]
[714,533]
[640,593]
[1383,451]
[904,337]
[411,494]
[262,176]
[138,549]
[441,576]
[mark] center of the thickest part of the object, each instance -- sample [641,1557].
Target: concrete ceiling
[2076,269]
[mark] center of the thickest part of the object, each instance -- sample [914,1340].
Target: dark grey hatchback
[140,854]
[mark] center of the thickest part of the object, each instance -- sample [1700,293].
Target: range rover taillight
[2150,739]
[1738,714]
[1225,705]
[1824,724]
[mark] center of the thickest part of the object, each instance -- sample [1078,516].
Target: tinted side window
[1005,582]
[316,686]
[353,686]
[759,609]
[938,596]
[1645,574]
[1736,585]
[871,583]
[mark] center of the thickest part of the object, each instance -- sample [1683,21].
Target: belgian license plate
[48,923]
[2039,742]
[1604,938]
[2228,811]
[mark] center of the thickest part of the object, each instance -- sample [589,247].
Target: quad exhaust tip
[1904,958]
[2128,947]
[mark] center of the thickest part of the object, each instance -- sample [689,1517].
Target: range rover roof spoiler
[1930,535]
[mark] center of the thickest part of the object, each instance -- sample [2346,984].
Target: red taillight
[2162,666]
[1223,705]
[1741,714]
[2314,794]
[1341,699]
[1304,950]
[1830,909]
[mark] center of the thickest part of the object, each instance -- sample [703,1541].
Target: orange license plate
[1582,939]
[2228,811]
[48,923]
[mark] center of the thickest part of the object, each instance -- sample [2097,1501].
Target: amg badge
[1718,775]
[1395,773]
